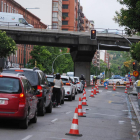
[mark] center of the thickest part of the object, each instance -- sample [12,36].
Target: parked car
[50,79]
[40,84]
[71,74]
[69,87]
[17,99]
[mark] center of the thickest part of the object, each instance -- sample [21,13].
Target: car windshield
[30,75]
[50,79]
[9,85]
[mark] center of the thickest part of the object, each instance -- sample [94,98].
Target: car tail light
[1,76]
[39,89]
[22,99]
[19,70]
[78,83]
[68,92]
[68,84]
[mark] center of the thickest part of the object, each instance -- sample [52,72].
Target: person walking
[94,80]
[57,89]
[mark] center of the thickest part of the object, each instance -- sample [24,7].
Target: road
[109,117]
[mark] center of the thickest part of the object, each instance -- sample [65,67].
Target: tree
[129,17]
[7,45]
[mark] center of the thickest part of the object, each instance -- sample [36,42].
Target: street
[109,116]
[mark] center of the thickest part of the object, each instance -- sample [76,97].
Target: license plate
[2,101]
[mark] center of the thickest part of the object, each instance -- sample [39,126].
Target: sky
[101,11]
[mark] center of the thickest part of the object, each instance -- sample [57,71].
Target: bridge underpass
[82,49]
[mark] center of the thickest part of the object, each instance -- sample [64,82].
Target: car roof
[13,75]
[25,69]
[65,77]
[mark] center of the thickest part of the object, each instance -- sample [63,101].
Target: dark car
[50,79]
[17,99]
[40,84]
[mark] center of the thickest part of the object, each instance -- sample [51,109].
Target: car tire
[49,108]
[24,123]
[34,119]
[73,98]
[117,83]
[42,110]
[70,98]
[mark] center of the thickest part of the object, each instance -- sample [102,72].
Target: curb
[136,112]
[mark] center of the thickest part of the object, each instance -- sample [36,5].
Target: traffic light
[93,35]
[134,65]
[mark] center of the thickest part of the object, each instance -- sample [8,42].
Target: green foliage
[45,56]
[129,17]
[7,45]
[135,51]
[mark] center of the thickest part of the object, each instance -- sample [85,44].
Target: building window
[4,7]
[1,6]
[64,22]
[55,6]
[64,14]
[65,0]
[64,6]
[64,29]
[12,10]
[55,26]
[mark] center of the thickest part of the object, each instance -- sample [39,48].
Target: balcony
[81,21]
[82,15]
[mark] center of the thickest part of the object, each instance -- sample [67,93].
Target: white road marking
[121,122]
[133,126]
[109,91]
[125,110]
[133,123]
[26,138]
[105,115]
[134,130]
[68,112]
[100,90]
[54,120]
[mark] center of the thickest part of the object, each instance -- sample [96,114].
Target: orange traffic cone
[94,91]
[91,95]
[125,90]
[85,84]
[97,89]
[84,101]
[74,131]
[106,87]
[80,110]
[114,87]
[92,82]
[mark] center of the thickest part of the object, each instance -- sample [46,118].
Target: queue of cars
[26,93]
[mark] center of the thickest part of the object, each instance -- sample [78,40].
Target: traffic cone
[106,87]
[114,87]
[91,95]
[74,131]
[97,89]
[80,110]
[125,90]
[94,91]
[84,103]
[92,82]
[85,84]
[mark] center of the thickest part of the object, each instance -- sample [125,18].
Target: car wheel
[70,98]
[117,83]
[24,123]
[49,108]
[43,110]
[73,98]
[34,119]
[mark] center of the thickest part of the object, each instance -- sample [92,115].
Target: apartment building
[106,59]
[11,6]
[56,14]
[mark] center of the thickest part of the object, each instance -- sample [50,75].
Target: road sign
[129,75]
[136,73]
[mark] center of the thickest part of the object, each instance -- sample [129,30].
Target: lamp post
[24,60]
[55,59]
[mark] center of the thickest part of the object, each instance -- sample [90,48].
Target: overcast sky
[101,11]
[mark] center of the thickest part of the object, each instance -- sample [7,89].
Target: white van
[71,74]
[13,20]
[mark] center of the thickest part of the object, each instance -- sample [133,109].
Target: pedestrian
[130,80]
[57,89]
[94,80]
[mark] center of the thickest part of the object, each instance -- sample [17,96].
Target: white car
[74,84]
[80,86]
[69,87]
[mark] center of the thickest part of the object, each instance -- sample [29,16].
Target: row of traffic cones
[74,131]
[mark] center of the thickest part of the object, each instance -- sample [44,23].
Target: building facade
[10,6]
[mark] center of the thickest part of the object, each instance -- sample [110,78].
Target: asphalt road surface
[109,117]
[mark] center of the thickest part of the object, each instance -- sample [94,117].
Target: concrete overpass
[82,48]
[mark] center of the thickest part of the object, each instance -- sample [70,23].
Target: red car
[17,99]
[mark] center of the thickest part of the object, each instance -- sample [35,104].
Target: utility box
[138,91]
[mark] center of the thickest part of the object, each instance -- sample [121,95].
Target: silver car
[69,87]
[79,84]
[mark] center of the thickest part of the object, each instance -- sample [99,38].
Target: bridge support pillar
[82,68]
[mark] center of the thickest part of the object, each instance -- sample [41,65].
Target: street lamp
[55,59]
[25,44]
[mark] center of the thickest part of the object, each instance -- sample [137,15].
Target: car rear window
[30,75]
[64,80]
[10,85]
[50,79]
